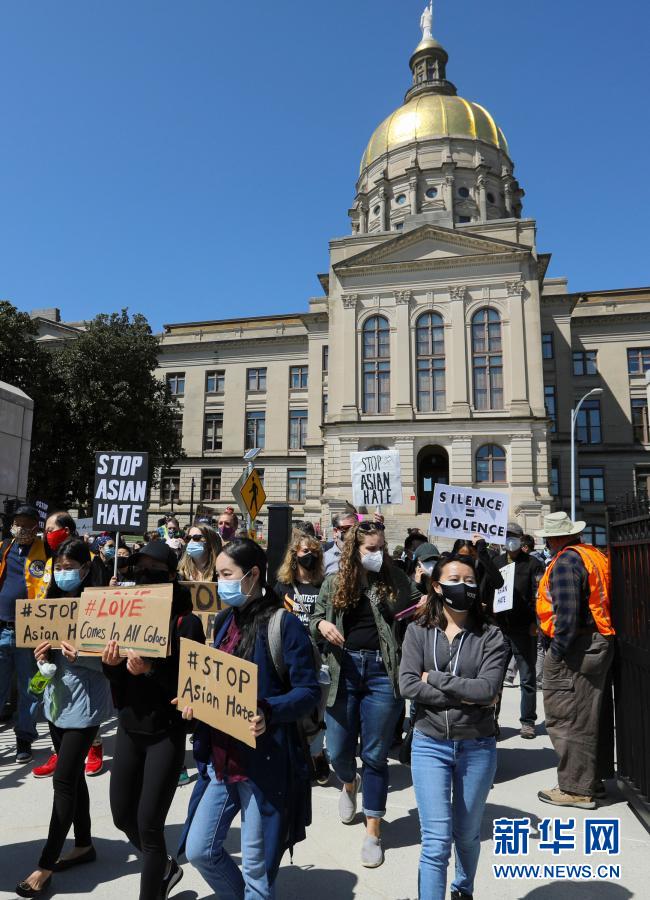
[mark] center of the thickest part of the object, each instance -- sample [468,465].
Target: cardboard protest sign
[463,512]
[207,620]
[120,496]
[504,596]
[46,620]
[84,526]
[42,506]
[136,617]
[376,478]
[221,689]
[205,597]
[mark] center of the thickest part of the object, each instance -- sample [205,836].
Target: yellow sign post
[252,494]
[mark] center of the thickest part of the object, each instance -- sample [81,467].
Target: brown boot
[561,798]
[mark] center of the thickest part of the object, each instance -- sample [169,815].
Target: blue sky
[190,159]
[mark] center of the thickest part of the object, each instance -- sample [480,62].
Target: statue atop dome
[426,22]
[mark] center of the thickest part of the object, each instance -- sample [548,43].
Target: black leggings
[144,777]
[71,802]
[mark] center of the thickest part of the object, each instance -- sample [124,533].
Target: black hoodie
[144,701]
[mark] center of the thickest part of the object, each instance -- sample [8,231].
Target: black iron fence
[629,537]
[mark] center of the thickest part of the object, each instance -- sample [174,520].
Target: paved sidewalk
[326,866]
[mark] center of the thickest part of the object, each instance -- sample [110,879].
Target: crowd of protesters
[358,628]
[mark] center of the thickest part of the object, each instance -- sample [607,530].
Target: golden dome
[431,116]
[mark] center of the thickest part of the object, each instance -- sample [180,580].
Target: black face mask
[150,576]
[460,596]
[308,561]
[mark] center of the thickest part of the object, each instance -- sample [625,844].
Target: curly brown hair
[350,578]
[287,571]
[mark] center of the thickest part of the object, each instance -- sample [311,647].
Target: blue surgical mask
[195,548]
[68,580]
[231,592]
[109,552]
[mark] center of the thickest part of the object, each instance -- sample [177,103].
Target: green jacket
[408,594]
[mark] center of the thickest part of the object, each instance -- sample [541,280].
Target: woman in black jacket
[150,743]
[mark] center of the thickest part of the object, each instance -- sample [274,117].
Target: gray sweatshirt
[470,670]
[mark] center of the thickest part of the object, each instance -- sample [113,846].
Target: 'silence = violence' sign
[220,688]
[46,620]
[137,618]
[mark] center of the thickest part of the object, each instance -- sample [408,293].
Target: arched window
[487,359]
[490,464]
[376,366]
[430,353]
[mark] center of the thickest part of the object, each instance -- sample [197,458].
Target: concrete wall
[16,413]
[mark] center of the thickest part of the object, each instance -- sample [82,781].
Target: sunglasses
[197,537]
[371,526]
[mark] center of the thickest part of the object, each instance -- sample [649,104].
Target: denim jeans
[523,647]
[365,708]
[452,780]
[21,661]
[205,851]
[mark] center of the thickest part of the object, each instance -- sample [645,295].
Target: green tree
[97,392]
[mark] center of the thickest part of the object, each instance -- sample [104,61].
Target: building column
[349,409]
[383,207]
[461,464]
[482,199]
[519,403]
[413,188]
[456,353]
[401,375]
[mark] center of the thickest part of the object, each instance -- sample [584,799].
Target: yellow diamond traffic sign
[252,493]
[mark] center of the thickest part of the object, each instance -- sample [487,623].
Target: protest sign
[42,507]
[504,596]
[136,617]
[205,597]
[84,526]
[120,495]
[46,620]
[463,512]
[376,478]
[220,688]
[208,620]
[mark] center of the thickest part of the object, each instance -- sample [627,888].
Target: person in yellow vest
[573,612]
[22,571]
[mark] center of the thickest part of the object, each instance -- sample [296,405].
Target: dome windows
[431,193]
[491,197]
[463,192]
[400,199]
[376,210]
[464,219]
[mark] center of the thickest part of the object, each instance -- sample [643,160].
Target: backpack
[313,722]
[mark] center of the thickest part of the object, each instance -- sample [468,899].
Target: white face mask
[372,562]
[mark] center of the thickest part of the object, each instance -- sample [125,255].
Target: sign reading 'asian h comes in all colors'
[138,618]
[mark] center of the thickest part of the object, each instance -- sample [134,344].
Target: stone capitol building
[437,333]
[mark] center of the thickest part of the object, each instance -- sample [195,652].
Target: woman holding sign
[355,613]
[150,743]
[268,783]
[452,666]
[77,700]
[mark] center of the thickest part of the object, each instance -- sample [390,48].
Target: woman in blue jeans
[268,784]
[355,612]
[452,668]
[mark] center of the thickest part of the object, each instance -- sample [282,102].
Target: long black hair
[72,548]
[433,613]
[246,554]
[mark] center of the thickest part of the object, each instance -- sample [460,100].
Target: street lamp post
[574,417]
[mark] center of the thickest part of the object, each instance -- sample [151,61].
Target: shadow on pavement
[498,811]
[513,762]
[579,890]
[299,882]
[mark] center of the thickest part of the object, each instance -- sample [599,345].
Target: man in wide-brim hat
[573,612]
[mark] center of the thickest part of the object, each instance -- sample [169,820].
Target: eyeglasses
[371,526]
